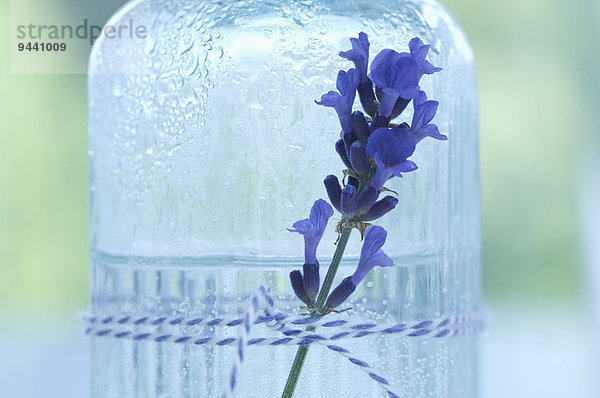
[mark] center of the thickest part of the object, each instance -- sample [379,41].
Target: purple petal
[431,130]
[301,226]
[312,228]
[381,67]
[320,213]
[390,147]
[374,240]
[382,175]
[417,48]
[371,254]
[388,98]
[396,76]
[424,113]
[380,259]
[347,83]
[426,68]
[359,54]
[331,99]
[421,98]
[418,51]
[404,167]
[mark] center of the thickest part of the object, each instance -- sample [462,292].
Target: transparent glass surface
[206,144]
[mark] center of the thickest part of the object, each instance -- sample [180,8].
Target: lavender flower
[390,148]
[312,229]
[423,115]
[372,153]
[359,55]
[347,83]
[371,256]
[395,76]
[418,52]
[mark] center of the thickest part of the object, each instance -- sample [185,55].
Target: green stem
[290,385]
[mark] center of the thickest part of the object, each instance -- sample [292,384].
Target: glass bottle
[205,144]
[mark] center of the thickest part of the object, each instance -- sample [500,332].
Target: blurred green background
[530,60]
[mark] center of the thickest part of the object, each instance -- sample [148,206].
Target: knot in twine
[287,325]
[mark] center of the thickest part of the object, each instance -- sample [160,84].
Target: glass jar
[205,144]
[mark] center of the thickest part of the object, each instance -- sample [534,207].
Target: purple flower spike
[358,157]
[348,201]
[390,149]
[380,208]
[359,54]
[347,83]
[423,115]
[395,76]
[311,279]
[298,286]
[371,255]
[418,52]
[312,229]
[340,293]
[334,191]
[367,199]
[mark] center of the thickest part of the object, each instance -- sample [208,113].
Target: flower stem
[290,385]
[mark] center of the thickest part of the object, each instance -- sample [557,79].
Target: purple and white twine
[287,325]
